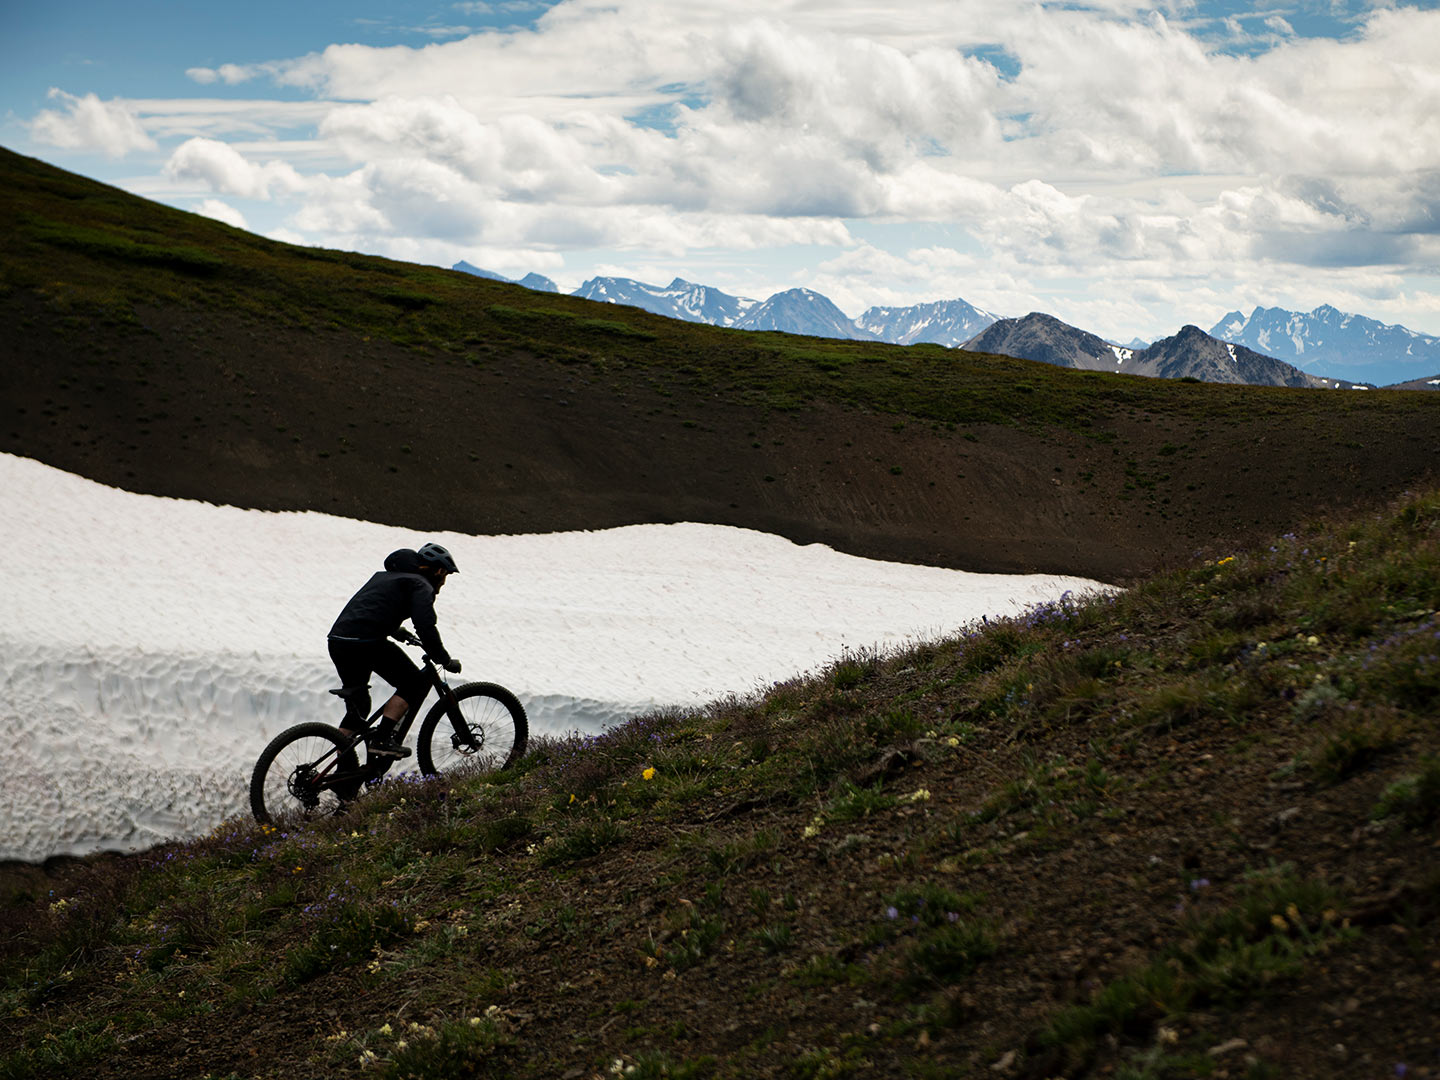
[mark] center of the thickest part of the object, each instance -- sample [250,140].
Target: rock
[1229,1046]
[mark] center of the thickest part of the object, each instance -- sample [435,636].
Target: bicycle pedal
[389,750]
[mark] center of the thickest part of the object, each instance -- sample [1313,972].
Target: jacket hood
[404,561]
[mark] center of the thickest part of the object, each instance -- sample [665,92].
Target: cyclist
[405,589]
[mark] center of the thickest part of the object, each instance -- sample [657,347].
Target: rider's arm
[422,614]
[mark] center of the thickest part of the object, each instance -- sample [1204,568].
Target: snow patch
[142,681]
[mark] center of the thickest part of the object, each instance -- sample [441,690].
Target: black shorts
[355,660]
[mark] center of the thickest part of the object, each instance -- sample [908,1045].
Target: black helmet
[437,556]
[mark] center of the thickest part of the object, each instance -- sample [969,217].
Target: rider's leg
[390,716]
[352,663]
[392,665]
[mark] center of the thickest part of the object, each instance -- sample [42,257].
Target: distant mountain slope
[1327,338]
[1189,354]
[538,282]
[802,311]
[1043,337]
[1194,354]
[680,299]
[794,311]
[943,322]
[1432,383]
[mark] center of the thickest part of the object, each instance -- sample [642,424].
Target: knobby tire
[302,744]
[492,713]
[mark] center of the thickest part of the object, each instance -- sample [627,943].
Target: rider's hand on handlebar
[405,636]
[452,665]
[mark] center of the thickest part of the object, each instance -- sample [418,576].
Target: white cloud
[1112,143]
[87,123]
[222,211]
[220,167]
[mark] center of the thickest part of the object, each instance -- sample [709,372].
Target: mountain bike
[313,768]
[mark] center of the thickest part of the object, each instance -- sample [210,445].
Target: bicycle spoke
[297,773]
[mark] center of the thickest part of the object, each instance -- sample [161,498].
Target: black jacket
[397,593]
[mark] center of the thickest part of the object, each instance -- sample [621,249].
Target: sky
[1126,167]
[178,672]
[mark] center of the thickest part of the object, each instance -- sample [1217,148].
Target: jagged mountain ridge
[1191,353]
[680,299]
[1233,352]
[794,311]
[941,322]
[1327,337]
[803,311]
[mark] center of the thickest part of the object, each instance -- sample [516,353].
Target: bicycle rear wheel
[495,736]
[298,771]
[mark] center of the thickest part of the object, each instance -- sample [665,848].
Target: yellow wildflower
[649,773]
[1278,921]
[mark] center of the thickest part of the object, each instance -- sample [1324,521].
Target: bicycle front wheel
[307,769]
[494,735]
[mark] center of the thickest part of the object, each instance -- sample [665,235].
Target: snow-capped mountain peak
[1329,340]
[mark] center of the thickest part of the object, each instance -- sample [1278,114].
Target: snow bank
[150,647]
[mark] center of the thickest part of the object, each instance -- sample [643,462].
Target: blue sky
[1127,167]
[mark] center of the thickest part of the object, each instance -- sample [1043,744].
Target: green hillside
[1184,831]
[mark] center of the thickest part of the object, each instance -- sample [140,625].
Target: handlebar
[405,637]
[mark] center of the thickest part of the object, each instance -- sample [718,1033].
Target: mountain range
[1238,349]
[1189,354]
[794,311]
[1328,339]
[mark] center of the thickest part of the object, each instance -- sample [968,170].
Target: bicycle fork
[465,735]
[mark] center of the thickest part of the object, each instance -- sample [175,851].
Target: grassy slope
[165,352]
[1104,839]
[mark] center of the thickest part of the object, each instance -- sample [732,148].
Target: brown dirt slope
[229,408]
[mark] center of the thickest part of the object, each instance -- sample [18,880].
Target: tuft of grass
[1414,798]
[775,938]
[581,842]
[1350,751]
[1243,953]
[446,1048]
[852,803]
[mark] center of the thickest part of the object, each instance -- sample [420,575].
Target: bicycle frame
[321,774]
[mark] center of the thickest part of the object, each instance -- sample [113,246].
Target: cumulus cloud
[224,169]
[1065,141]
[87,123]
[222,211]
[230,74]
